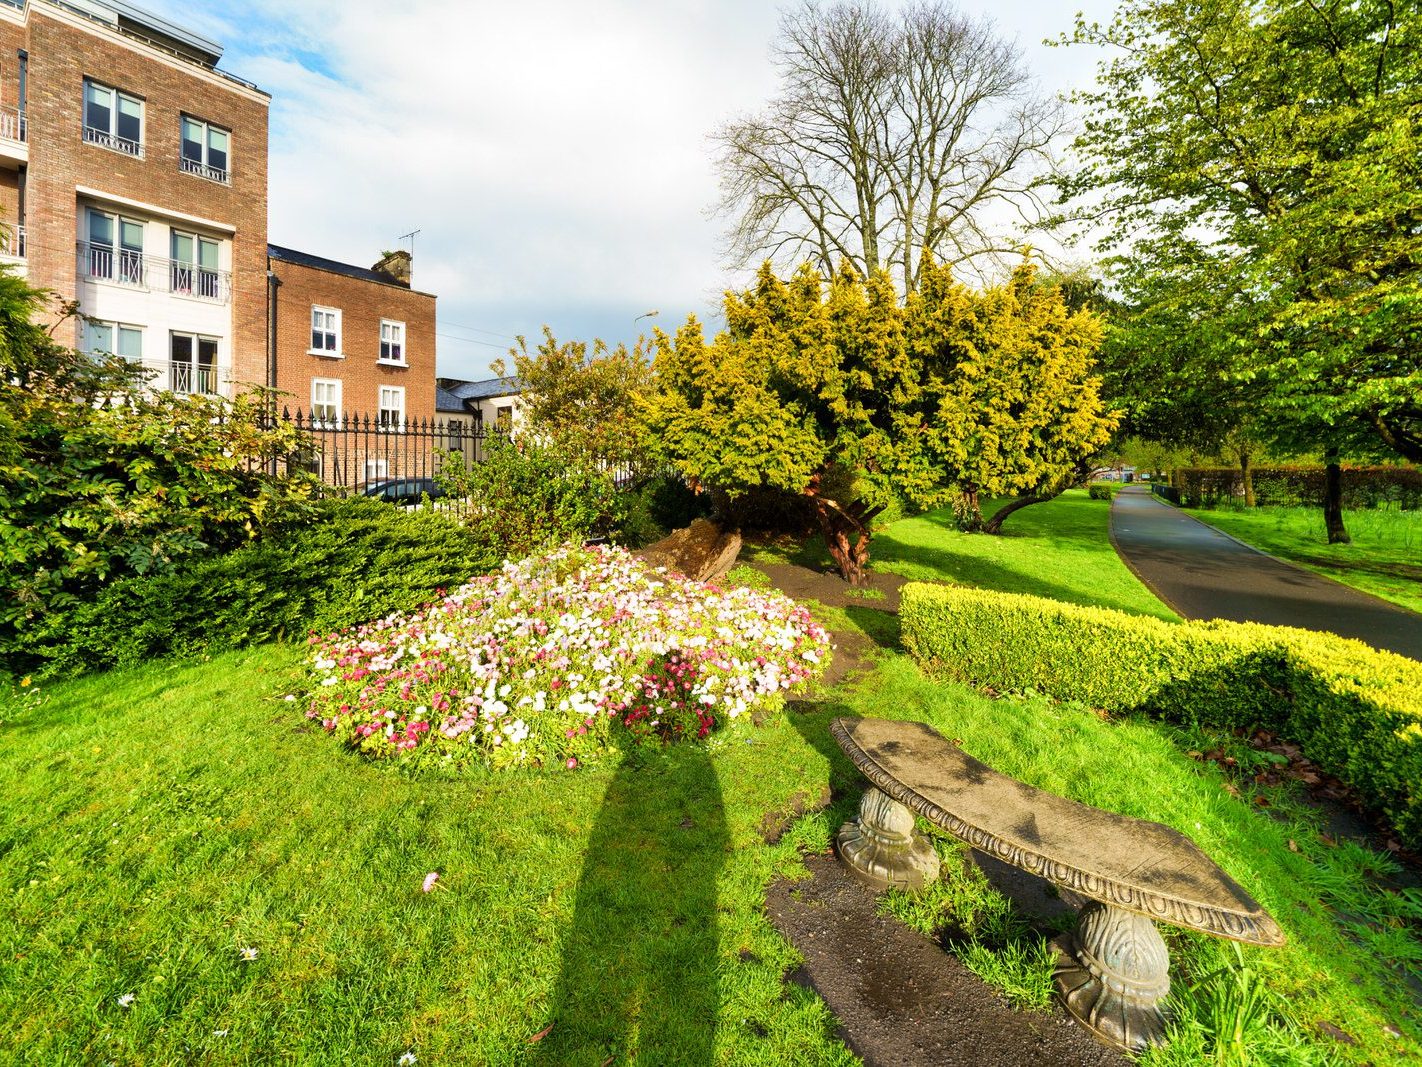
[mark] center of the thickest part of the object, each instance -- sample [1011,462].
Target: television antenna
[411,238]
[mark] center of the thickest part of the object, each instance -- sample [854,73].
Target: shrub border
[1355,711]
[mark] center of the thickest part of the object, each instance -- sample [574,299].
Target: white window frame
[396,342]
[204,168]
[114,262]
[390,392]
[334,331]
[110,138]
[116,332]
[376,469]
[334,422]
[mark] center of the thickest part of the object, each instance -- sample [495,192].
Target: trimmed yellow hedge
[1355,711]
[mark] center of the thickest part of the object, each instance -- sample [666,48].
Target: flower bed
[561,657]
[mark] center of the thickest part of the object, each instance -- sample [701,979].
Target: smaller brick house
[351,341]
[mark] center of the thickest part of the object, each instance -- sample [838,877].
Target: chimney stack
[397,266]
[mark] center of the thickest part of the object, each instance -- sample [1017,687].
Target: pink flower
[429,882]
[572,763]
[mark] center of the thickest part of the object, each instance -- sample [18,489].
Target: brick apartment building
[133,179]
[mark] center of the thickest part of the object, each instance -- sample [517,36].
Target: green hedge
[360,560]
[1355,711]
[1099,491]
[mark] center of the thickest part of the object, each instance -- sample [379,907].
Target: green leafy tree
[1265,158]
[99,478]
[586,403]
[529,493]
[836,392]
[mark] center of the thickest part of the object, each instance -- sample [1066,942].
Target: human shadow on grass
[639,968]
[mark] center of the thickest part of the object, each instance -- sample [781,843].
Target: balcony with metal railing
[12,242]
[105,139]
[14,135]
[180,376]
[122,266]
[203,170]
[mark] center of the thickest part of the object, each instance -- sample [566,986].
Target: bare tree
[891,135]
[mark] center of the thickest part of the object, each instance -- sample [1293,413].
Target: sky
[552,154]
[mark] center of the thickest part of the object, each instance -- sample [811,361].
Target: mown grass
[155,823]
[1061,549]
[158,822]
[1385,557]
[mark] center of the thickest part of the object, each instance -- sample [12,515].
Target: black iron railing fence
[359,451]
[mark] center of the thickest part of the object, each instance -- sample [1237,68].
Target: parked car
[402,490]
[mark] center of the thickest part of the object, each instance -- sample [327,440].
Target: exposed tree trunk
[847,532]
[1246,475]
[972,511]
[1333,501]
[994,524]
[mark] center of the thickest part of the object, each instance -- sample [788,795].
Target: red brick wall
[362,305]
[62,52]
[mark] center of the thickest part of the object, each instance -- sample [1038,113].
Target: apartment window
[392,407]
[204,149]
[100,337]
[504,418]
[376,468]
[113,119]
[392,341]
[325,331]
[456,431]
[325,402]
[194,266]
[192,363]
[122,264]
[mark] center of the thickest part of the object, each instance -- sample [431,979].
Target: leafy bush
[1356,711]
[99,479]
[359,560]
[651,511]
[558,658]
[528,494]
[1099,491]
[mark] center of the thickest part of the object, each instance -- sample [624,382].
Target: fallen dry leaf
[541,1034]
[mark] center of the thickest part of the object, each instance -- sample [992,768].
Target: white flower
[406,1059]
[289,698]
[248,954]
[125,1000]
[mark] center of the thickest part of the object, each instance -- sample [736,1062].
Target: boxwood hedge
[1355,711]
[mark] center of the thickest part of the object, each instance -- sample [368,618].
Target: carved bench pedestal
[1111,973]
[881,848]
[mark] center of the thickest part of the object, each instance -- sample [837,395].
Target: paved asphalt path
[1203,574]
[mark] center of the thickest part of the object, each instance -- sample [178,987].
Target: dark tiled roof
[447,401]
[483,390]
[305,259]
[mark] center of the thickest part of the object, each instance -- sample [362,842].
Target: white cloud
[552,153]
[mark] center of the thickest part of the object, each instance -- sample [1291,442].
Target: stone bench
[1113,969]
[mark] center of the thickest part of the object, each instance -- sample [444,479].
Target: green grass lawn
[1385,558]
[159,822]
[156,823]
[1061,549]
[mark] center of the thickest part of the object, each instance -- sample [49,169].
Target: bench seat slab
[1130,864]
